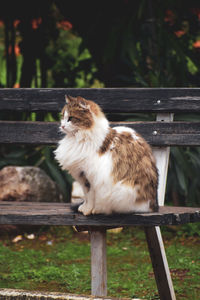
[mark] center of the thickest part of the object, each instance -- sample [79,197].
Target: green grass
[64,265]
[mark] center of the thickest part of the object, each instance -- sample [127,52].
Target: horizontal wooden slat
[156,133]
[29,132]
[32,213]
[112,100]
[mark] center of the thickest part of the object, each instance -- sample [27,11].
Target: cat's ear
[69,98]
[82,103]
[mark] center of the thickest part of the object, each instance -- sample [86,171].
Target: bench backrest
[112,101]
[119,104]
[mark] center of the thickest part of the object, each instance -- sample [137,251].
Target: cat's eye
[70,119]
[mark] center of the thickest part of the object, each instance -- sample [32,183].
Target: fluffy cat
[115,166]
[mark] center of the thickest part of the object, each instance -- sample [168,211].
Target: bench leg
[159,263]
[98,262]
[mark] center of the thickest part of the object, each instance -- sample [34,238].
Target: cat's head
[79,114]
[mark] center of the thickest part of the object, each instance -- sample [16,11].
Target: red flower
[16,49]
[16,85]
[66,25]
[196,44]
[179,33]
[16,22]
[36,23]
[169,17]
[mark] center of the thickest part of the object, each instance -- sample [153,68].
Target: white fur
[78,151]
[77,190]
[121,129]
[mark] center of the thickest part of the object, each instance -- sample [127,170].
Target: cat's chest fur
[78,153]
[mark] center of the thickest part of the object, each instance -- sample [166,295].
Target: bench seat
[61,214]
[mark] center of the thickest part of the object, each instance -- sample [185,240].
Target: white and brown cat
[115,166]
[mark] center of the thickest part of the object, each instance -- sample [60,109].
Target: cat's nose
[62,126]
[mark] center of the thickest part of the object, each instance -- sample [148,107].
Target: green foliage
[2,59]
[71,66]
[155,45]
[71,63]
[65,264]
[190,229]
[183,179]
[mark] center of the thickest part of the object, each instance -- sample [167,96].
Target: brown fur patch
[93,106]
[134,165]
[80,111]
[80,116]
[108,140]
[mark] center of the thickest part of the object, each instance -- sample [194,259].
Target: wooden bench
[161,134]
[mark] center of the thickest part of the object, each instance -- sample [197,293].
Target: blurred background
[86,44]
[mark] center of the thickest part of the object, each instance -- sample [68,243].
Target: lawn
[58,259]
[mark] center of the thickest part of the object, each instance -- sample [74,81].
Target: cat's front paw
[85,210]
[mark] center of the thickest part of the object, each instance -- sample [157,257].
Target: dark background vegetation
[83,44]
[121,43]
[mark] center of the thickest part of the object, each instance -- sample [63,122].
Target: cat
[115,166]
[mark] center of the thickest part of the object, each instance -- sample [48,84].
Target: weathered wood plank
[36,214]
[98,262]
[153,234]
[20,132]
[110,99]
[162,160]
[156,133]
[159,263]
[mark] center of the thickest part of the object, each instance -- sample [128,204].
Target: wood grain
[159,263]
[98,262]
[115,100]
[153,234]
[162,160]
[155,133]
[61,214]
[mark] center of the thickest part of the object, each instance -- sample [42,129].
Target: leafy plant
[71,64]
[183,186]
